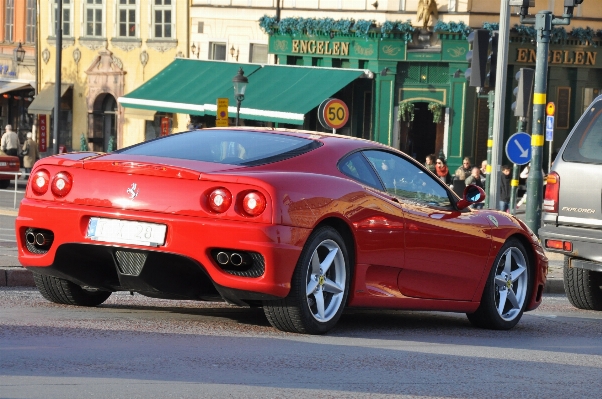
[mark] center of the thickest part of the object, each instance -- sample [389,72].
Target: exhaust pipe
[43,238]
[30,237]
[240,259]
[222,258]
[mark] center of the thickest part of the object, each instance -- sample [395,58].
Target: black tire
[488,315]
[65,292]
[582,287]
[299,312]
[4,184]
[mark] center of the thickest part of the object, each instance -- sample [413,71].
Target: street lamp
[240,82]
[19,54]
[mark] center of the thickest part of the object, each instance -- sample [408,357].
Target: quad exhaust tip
[231,258]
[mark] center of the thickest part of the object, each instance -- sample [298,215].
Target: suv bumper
[586,243]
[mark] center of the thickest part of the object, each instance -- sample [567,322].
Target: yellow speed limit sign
[333,113]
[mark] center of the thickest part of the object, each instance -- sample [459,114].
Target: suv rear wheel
[582,286]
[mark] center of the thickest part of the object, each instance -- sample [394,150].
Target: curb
[16,277]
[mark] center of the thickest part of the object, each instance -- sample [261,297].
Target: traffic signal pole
[543,26]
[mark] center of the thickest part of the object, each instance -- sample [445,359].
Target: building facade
[109,47]
[422,75]
[17,63]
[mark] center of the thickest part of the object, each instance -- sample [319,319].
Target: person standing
[505,189]
[464,170]
[30,153]
[475,178]
[442,171]
[10,142]
[430,162]
[484,172]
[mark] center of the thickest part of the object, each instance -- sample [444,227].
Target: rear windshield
[585,144]
[232,147]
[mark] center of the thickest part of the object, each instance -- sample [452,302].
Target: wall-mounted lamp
[234,52]
[195,50]
[385,72]
[375,4]
[19,54]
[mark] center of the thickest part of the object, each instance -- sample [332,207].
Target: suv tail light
[550,201]
[254,203]
[61,184]
[40,182]
[219,200]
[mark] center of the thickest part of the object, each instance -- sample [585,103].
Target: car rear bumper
[586,243]
[183,267]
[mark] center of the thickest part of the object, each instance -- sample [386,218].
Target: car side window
[406,180]
[356,167]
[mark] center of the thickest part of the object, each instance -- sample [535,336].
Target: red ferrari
[301,223]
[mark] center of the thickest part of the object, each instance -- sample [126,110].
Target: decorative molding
[117,62]
[143,58]
[77,55]
[93,43]
[126,44]
[67,41]
[45,55]
[162,45]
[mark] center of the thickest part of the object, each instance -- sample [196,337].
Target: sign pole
[500,104]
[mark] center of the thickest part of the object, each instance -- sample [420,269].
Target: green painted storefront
[398,73]
[435,74]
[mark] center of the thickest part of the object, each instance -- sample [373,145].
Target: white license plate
[3,163]
[126,232]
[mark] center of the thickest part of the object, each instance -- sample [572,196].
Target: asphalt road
[137,347]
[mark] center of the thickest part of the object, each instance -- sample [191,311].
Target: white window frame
[151,17]
[118,7]
[9,21]
[402,5]
[52,20]
[30,25]
[84,15]
[267,53]
[212,45]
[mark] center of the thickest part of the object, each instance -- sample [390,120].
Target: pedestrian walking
[10,141]
[30,153]
[505,189]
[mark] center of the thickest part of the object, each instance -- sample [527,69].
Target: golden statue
[426,8]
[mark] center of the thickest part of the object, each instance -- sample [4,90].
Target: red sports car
[301,223]
[8,166]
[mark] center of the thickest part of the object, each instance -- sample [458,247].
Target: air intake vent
[130,263]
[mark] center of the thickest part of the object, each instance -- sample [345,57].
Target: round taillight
[61,184]
[254,203]
[40,182]
[220,200]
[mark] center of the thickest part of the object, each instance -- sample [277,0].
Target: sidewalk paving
[12,274]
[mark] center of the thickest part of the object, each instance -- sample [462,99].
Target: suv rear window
[232,147]
[585,144]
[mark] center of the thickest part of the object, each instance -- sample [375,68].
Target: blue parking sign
[549,128]
[518,148]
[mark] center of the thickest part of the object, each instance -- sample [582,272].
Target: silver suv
[572,210]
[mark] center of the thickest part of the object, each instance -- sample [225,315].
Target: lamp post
[240,82]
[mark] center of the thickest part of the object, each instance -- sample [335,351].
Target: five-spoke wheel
[326,280]
[506,291]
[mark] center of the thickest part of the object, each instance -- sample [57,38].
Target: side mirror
[472,194]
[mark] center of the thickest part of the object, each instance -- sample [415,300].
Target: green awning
[276,93]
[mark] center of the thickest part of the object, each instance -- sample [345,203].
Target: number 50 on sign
[333,113]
